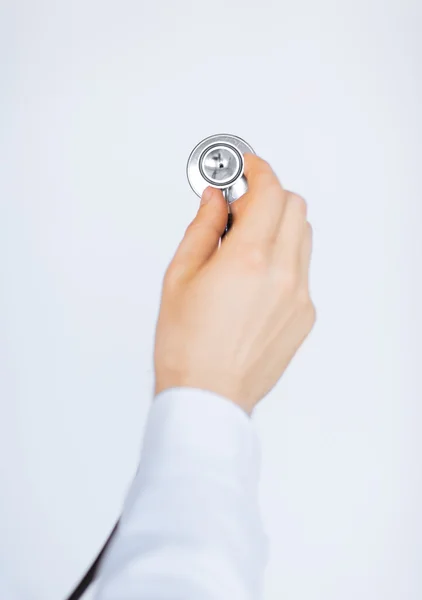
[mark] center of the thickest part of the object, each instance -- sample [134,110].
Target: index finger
[260,210]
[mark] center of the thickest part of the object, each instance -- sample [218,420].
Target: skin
[233,315]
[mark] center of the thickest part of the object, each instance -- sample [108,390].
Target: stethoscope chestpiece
[218,161]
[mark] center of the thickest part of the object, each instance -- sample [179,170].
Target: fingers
[202,236]
[258,213]
[268,215]
[291,234]
[305,256]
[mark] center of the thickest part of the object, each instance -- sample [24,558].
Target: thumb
[203,234]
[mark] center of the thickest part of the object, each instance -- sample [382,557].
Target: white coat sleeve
[190,528]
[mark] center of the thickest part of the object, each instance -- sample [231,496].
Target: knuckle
[259,169]
[257,163]
[273,188]
[255,257]
[194,226]
[298,203]
[309,230]
[201,217]
[172,275]
[265,166]
[313,312]
[290,280]
[306,308]
[202,226]
[304,299]
[263,179]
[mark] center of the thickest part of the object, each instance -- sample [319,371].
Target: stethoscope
[217,161]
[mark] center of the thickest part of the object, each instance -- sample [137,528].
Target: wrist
[220,385]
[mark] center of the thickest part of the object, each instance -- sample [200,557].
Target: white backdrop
[101,104]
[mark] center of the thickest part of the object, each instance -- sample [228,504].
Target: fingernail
[207,195]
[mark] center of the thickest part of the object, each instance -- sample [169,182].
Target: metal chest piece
[218,161]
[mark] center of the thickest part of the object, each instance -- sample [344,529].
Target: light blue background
[101,104]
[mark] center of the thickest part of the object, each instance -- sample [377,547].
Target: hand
[232,317]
